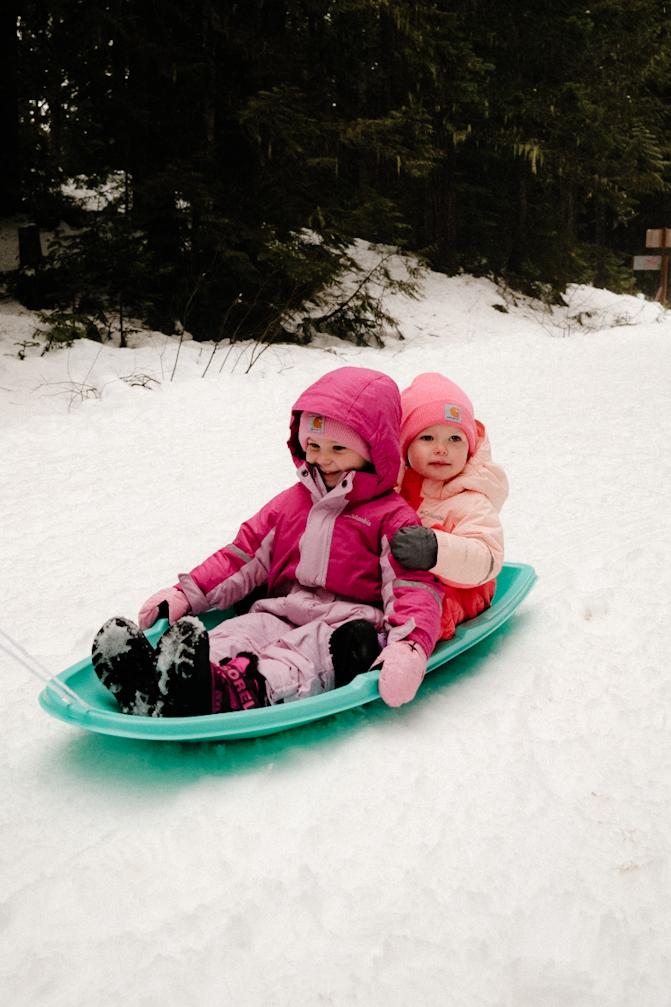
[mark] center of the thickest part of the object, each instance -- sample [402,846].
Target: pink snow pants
[290,636]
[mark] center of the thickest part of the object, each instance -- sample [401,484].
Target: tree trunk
[30,247]
[567,220]
[30,287]
[442,211]
[150,104]
[10,190]
[600,278]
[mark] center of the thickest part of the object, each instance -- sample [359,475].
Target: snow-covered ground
[503,841]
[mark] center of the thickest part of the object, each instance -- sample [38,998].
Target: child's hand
[176,602]
[403,666]
[415,548]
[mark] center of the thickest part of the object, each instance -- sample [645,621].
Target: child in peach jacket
[450,479]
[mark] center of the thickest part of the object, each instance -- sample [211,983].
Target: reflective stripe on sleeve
[415,584]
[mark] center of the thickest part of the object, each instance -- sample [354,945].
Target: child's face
[439,452]
[332,459]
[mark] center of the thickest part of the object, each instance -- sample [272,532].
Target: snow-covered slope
[501,842]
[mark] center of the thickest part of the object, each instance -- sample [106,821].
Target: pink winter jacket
[337,540]
[464,513]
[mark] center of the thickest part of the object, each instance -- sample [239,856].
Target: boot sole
[183,666]
[123,660]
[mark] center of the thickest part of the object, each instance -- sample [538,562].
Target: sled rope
[31,664]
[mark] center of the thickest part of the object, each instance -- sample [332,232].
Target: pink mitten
[403,667]
[177,606]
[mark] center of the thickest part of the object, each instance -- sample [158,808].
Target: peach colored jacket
[464,513]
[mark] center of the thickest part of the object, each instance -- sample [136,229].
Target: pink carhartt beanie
[316,425]
[432,398]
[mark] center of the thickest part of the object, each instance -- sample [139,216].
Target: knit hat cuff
[456,414]
[314,425]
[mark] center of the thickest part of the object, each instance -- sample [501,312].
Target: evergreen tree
[248,143]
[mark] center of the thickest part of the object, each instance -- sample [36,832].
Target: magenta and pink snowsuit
[323,556]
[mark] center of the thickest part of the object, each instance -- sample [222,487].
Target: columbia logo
[359,518]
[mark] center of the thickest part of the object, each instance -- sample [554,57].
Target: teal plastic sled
[81,700]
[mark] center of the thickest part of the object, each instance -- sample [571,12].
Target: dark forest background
[527,141]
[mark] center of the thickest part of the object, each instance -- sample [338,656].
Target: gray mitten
[415,548]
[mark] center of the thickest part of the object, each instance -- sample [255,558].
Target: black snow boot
[354,646]
[184,673]
[124,661]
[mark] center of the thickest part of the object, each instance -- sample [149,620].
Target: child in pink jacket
[333,596]
[458,492]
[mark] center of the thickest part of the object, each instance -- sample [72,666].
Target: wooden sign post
[660,239]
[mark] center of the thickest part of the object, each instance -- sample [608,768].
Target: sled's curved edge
[97,712]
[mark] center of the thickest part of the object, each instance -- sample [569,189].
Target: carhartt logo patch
[316,424]
[452,413]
